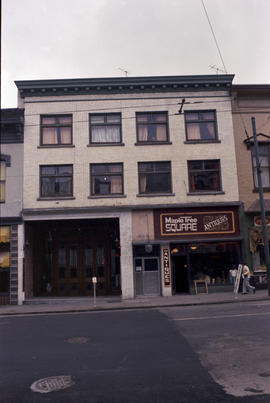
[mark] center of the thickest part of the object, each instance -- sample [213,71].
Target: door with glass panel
[95,264]
[147,276]
[76,263]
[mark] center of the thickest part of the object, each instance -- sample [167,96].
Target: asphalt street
[168,355]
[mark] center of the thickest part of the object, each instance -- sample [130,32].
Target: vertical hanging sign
[166,267]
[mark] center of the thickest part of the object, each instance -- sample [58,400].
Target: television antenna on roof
[124,71]
[214,67]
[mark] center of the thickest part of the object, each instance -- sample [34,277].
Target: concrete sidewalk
[84,304]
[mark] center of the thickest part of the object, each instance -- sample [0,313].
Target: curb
[126,308]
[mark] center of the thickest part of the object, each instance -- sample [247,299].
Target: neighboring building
[252,101]
[119,185]
[11,228]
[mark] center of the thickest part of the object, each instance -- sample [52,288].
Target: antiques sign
[197,223]
[166,267]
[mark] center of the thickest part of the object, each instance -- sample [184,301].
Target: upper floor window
[2,181]
[106,179]
[152,127]
[154,177]
[56,180]
[264,158]
[105,128]
[204,176]
[201,125]
[56,130]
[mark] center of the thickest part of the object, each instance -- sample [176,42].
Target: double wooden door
[76,261]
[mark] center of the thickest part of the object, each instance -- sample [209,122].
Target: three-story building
[130,180]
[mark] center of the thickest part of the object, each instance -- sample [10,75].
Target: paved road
[122,356]
[233,343]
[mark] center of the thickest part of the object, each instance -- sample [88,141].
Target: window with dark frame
[264,158]
[56,180]
[201,125]
[152,127]
[56,130]
[106,179]
[204,176]
[154,177]
[105,128]
[2,181]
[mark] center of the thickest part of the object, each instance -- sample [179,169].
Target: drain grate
[52,384]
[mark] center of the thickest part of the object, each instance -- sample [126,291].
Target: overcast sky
[50,39]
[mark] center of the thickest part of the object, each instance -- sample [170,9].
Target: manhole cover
[52,384]
[77,340]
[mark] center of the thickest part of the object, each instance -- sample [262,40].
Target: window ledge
[57,146]
[106,196]
[155,194]
[56,198]
[201,141]
[153,143]
[205,193]
[256,190]
[105,144]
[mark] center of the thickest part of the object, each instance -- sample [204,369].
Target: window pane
[207,115]
[65,135]
[63,186]
[143,118]
[146,167]
[211,164]
[65,170]
[88,261]
[114,168]
[49,170]
[191,116]
[2,191]
[65,119]
[49,135]
[162,166]
[73,261]
[97,118]
[98,169]
[154,183]
[105,134]
[3,171]
[113,118]
[265,177]
[48,120]
[195,165]
[159,117]
[193,131]
[150,264]
[62,262]
[207,131]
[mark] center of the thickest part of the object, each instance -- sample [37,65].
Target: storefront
[198,244]
[63,256]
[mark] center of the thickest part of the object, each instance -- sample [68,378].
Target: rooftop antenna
[125,71]
[214,67]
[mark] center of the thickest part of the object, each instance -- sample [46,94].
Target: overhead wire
[214,36]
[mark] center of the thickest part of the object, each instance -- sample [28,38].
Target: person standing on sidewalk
[246,276]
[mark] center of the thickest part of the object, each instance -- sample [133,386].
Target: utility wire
[208,19]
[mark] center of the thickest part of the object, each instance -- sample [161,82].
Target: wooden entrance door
[76,261]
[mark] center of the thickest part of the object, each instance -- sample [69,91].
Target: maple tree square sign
[196,223]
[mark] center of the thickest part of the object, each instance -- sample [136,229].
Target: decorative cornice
[117,85]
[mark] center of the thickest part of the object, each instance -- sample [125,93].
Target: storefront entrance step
[70,300]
